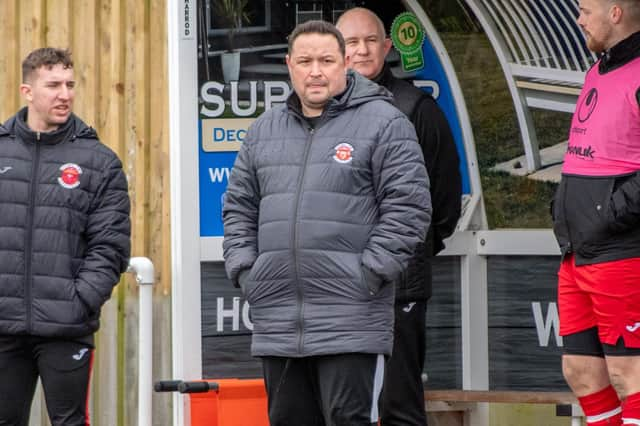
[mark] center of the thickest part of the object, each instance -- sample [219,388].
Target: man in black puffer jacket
[402,401]
[64,241]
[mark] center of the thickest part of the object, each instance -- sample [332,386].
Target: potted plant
[233,13]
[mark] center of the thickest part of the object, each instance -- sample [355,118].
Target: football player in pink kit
[596,215]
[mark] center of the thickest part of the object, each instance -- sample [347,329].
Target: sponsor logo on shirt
[588,105]
[581,152]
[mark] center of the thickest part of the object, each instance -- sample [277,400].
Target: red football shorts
[606,295]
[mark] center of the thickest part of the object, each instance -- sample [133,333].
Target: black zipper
[294,243]
[33,188]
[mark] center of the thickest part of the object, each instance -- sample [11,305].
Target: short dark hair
[45,57]
[316,27]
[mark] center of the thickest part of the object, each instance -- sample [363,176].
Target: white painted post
[186,334]
[143,269]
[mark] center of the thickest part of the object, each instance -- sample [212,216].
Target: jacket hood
[359,90]
[74,128]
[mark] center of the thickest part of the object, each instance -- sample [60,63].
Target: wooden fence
[120,53]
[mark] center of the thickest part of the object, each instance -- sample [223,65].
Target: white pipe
[143,269]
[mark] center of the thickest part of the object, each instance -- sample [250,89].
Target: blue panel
[214,169]
[434,71]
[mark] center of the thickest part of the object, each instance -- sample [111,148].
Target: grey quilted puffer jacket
[64,228]
[325,221]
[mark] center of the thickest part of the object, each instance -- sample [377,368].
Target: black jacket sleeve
[108,239]
[443,166]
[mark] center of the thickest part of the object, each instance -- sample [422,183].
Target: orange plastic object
[237,402]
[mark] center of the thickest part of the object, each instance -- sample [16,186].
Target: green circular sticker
[407,34]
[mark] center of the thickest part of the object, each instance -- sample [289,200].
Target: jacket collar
[385,77]
[620,54]
[74,128]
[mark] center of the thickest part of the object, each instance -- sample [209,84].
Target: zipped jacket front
[317,215]
[64,228]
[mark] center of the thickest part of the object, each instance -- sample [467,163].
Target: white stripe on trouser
[604,416]
[628,421]
[377,387]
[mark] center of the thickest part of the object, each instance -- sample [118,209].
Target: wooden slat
[109,125]
[136,116]
[448,406]
[109,122]
[516,397]
[58,24]
[30,26]
[159,189]
[159,196]
[85,55]
[159,199]
[136,119]
[9,62]
[104,388]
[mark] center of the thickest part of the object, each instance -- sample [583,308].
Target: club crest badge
[70,176]
[344,153]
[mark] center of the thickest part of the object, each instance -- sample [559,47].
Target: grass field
[511,202]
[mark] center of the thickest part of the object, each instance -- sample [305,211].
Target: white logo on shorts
[80,354]
[408,308]
[633,328]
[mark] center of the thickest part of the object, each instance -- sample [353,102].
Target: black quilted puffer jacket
[64,228]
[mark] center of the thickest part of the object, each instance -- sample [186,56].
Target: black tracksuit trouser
[64,367]
[402,400]
[332,390]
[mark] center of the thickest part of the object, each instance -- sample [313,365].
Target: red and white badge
[70,176]
[344,153]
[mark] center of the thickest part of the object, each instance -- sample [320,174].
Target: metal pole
[143,269]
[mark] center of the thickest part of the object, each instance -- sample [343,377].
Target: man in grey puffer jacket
[323,210]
